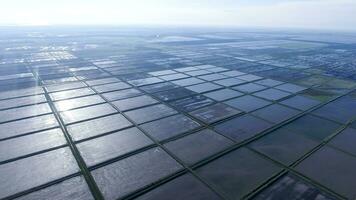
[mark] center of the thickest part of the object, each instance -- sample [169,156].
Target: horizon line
[295,28]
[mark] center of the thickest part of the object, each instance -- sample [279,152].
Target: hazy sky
[325,14]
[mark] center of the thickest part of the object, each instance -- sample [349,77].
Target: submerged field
[119,113]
